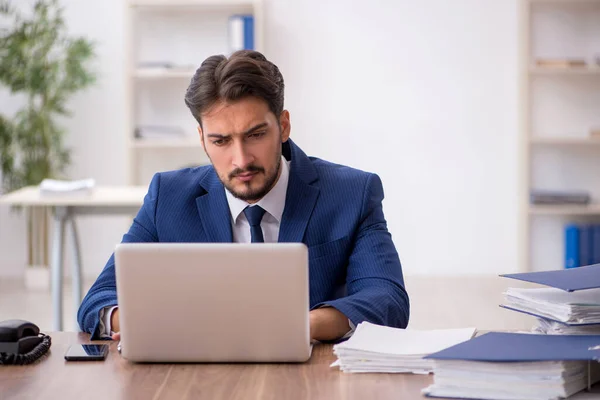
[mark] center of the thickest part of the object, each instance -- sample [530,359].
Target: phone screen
[87,352]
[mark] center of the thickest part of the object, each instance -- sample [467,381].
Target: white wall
[95,136]
[423,93]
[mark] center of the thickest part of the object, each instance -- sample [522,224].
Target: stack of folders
[571,306]
[509,366]
[376,348]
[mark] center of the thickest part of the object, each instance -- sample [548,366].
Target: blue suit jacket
[335,210]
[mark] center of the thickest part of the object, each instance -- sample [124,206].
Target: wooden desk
[115,378]
[102,200]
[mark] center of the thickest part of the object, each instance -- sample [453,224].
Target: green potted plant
[42,66]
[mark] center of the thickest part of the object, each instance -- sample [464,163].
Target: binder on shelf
[596,244]
[572,246]
[241,33]
[586,245]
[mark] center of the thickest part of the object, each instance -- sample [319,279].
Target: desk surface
[115,378]
[100,196]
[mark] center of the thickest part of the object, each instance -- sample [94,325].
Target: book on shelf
[560,62]
[559,197]
[160,67]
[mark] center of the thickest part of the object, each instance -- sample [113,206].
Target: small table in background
[102,200]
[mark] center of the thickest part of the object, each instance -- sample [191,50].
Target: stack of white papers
[549,327]
[52,186]
[541,380]
[375,348]
[574,308]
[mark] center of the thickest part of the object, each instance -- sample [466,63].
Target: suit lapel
[301,197]
[214,210]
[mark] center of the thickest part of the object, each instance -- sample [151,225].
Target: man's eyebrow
[249,131]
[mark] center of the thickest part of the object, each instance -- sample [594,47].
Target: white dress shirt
[273,203]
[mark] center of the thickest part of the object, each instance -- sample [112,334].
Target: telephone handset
[21,342]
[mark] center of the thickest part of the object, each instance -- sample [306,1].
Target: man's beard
[258,193]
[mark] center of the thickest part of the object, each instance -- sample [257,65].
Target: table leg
[60,214]
[76,272]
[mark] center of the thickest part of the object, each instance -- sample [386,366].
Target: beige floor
[436,302]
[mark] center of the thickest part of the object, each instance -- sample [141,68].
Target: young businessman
[262,187]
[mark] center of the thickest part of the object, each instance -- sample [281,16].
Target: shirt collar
[273,202]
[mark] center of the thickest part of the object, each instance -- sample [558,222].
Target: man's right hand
[114,325]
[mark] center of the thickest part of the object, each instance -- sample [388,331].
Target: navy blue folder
[523,347]
[548,318]
[568,279]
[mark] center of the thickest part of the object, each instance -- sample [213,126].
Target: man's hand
[114,325]
[327,323]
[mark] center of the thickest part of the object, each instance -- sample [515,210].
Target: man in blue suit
[261,187]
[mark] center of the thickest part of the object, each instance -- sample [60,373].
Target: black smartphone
[87,352]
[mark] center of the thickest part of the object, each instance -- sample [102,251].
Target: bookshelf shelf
[566,71]
[558,141]
[566,210]
[165,143]
[158,75]
[561,2]
[197,4]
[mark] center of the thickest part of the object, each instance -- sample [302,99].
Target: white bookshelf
[167,41]
[587,210]
[561,105]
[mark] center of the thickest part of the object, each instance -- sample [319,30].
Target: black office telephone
[21,342]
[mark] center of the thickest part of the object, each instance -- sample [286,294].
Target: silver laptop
[213,302]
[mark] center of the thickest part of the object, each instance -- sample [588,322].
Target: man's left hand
[327,323]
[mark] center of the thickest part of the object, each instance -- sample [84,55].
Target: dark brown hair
[245,73]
